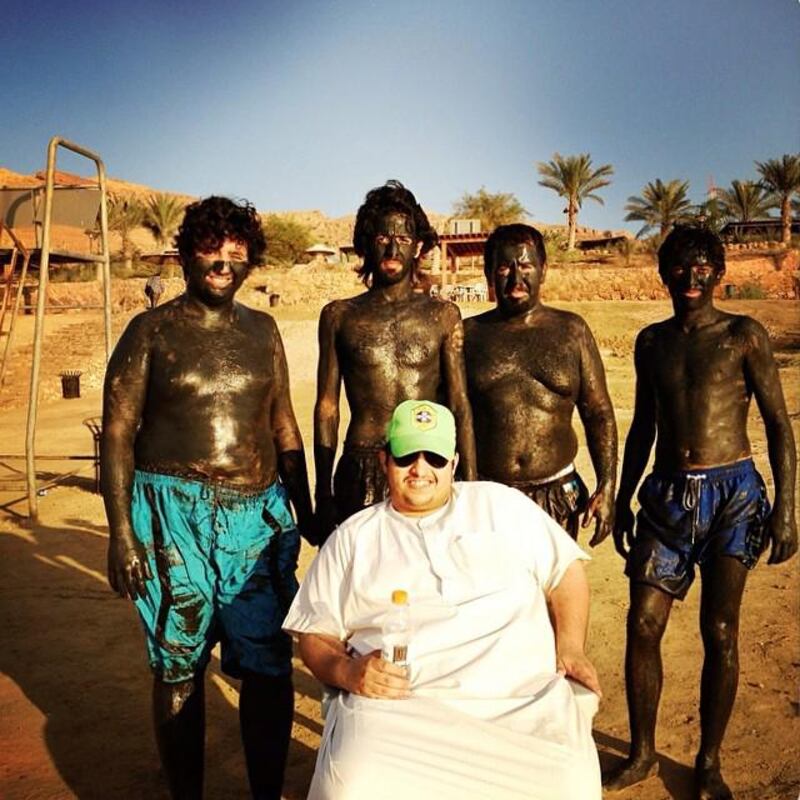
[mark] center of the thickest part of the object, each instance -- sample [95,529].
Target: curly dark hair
[685,243]
[208,222]
[511,234]
[386,199]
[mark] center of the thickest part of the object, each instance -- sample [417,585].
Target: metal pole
[14,315]
[38,333]
[9,282]
[106,266]
[33,402]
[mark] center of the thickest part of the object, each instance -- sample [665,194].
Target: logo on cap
[424,418]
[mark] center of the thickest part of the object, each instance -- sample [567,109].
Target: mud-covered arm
[326,419]
[640,440]
[597,415]
[762,377]
[124,394]
[288,441]
[454,374]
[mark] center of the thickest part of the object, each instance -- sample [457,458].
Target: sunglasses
[434,459]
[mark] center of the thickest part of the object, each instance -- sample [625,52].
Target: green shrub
[73,273]
[626,248]
[287,240]
[122,268]
[751,291]
[555,244]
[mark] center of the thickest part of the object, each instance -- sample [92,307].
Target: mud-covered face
[691,284]
[518,277]
[215,277]
[393,249]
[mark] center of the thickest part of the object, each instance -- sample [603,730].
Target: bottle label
[399,654]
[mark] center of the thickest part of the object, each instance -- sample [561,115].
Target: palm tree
[572,178]
[745,201]
[125,213]
[162,216]
[661,204]
[782,178]
[492,209]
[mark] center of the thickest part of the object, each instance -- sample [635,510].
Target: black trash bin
[70,384]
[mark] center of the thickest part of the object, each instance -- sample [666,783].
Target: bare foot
[630,772]
[709,785]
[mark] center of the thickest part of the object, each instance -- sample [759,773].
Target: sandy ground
[74,685]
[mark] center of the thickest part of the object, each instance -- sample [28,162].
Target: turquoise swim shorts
[224,565]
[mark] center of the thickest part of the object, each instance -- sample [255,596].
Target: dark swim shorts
[223,562]
[564,499]
[359,481]
[689,517]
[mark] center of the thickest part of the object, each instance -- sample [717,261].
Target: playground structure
[31,213]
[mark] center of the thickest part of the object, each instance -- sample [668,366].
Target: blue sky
[307,104]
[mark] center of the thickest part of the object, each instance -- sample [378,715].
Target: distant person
[704,503]
[499,606]
[201,454]
[529,366]
[387,345]
[153,289]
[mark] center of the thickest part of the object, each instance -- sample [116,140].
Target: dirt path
[74,685]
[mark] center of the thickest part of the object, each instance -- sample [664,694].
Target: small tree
[162,217]
[573,178]
[287,240]
[782,178]
[745,201]
[491,208]
[710,214]
[124,214]
[661,205]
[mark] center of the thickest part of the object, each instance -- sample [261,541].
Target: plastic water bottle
[397,630]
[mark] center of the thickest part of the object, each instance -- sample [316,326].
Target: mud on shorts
[688,517]
[359,481]
[223,562]
[564,497]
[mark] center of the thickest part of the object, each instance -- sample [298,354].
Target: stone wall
[771,275]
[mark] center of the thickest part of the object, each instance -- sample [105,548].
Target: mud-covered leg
[723,583]
[266,708]
[179,718]
[647,620]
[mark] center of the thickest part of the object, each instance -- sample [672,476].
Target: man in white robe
[497,701]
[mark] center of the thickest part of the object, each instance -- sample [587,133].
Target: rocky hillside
[333,231]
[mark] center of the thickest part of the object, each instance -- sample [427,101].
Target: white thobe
[489,716]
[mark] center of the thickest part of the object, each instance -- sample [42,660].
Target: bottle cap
[399,597]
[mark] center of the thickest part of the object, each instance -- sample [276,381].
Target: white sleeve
[554,549]
[319,606]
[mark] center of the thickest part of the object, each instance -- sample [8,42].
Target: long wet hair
[208,222]
[390,198]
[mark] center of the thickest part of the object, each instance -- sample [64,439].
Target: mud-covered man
[387,345]
[200,449]
[153,289]
[704,503]
[528,367]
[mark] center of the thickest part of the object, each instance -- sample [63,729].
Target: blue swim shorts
[224,565]
[689,517]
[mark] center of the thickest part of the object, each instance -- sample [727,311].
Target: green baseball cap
[422,425]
